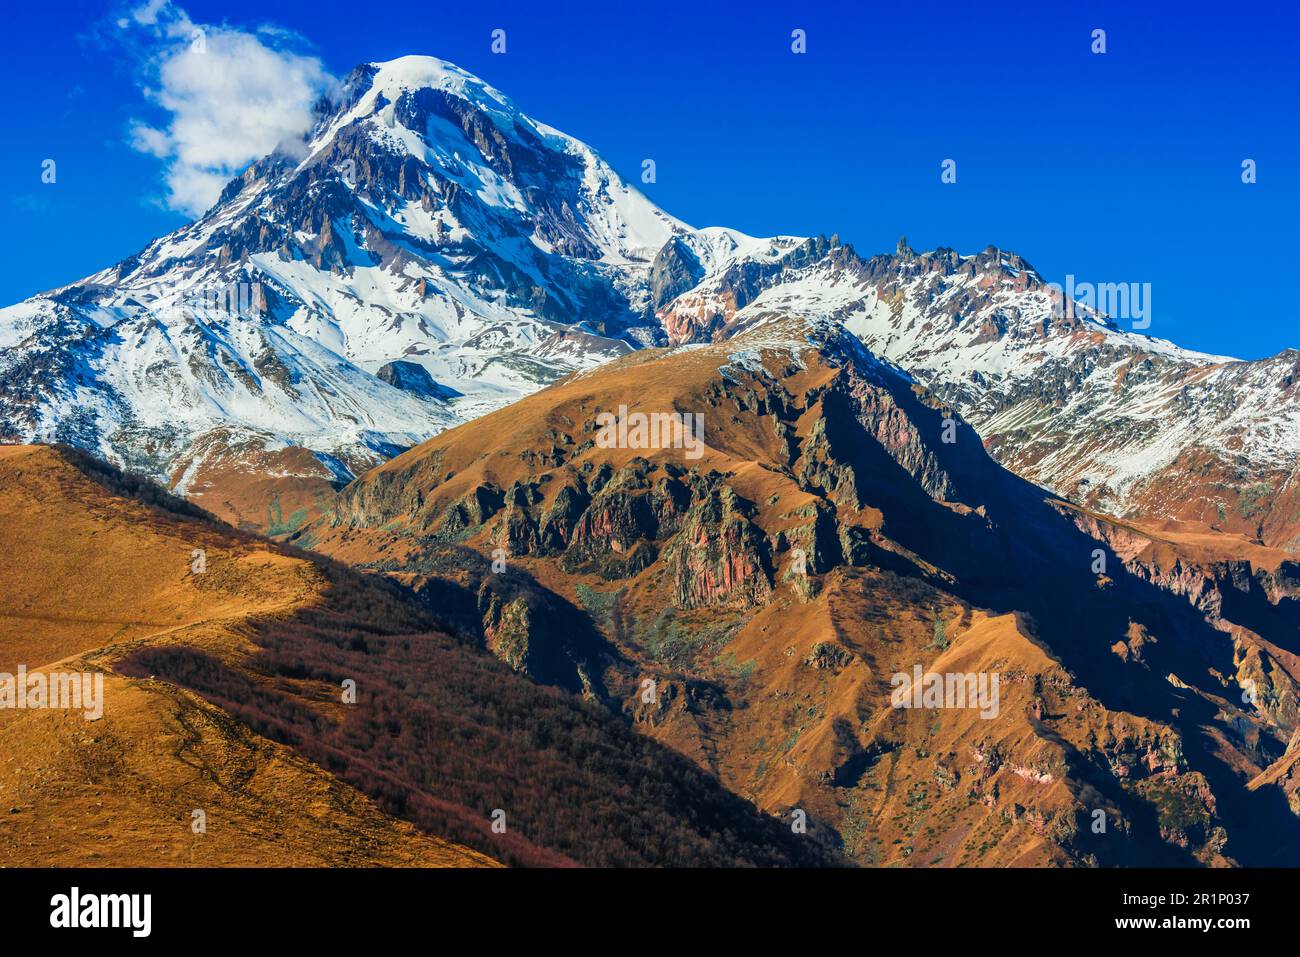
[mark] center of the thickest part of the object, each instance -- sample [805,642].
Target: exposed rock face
[517,527]
[412,377]
[377,502]
[560,520]
[506,627]
[716,554]
[1248,599]
[675,269]
[469,513]
[615,534]
[719,557]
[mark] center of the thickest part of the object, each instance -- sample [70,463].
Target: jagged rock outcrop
[506,627]
[675,269]
[411,377]
[719,556]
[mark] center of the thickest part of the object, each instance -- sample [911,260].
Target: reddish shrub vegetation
[442,734]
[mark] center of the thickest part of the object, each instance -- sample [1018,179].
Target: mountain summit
[423,221]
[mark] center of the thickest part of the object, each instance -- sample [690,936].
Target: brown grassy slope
[1163,544]
[441,734]
[85,573]
[1118,696]
[271,492]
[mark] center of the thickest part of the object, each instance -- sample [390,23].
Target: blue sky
[1122,167]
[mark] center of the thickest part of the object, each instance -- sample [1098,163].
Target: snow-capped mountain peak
[429,252]
[426,253]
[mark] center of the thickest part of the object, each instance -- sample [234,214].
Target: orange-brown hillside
[225,658]
[86,575]
[1118,711]
[237,479]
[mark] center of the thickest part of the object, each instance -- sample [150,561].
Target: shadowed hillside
[223,692]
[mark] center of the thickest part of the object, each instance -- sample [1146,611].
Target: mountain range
[428,253]
[390,344]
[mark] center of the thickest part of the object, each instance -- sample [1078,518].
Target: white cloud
[228,97]
[148,140]
[148,12]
